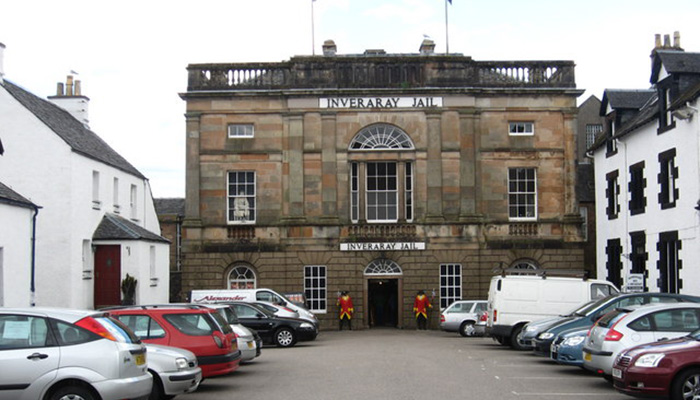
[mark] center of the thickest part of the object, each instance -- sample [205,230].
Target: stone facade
[321,125]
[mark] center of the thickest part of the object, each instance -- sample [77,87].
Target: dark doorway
[383,302]
[107,276]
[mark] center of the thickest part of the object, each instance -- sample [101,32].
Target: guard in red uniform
[420,307]
[345,310]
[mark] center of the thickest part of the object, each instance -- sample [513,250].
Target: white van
[210,296]
[515,300]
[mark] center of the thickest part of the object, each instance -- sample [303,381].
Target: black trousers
[342,322]
[421,322]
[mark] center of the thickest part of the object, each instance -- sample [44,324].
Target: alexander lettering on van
[211,298]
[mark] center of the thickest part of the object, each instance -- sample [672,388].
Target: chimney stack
[427,47]
[329,48]
[2,63]
[71,99]
[677,40]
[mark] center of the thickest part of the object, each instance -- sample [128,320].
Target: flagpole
[313,39]
[447,37]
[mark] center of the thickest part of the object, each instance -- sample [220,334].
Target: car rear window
[229,315]
[223,324]
[609,318]
[199,324]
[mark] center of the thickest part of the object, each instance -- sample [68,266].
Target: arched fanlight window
[383,266]
[525,265]
[242,277]
[381,137]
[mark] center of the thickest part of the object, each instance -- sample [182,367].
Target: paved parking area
[403,364]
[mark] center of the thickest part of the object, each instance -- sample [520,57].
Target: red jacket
[421,305]
[346,308]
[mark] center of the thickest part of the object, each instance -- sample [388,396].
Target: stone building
[380,174]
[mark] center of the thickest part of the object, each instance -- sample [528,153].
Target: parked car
[543,342]
[282,332]
[43,356]
[668,369]
[249,342]
[534,328]
[464,316]
[174,371]
[624,328]
[567,347]
[200,330]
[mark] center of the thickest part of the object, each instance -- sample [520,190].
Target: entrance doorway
[383,302]
[107,276]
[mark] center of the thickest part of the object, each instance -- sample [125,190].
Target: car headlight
[530,328]
[650,360]
[545,335]
[306,325]
[181,363]
[573,341]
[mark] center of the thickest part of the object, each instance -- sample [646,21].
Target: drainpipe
[32,287]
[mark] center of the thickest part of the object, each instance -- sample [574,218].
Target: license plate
[587,356]
[617,373]
[554,348]
[140,359]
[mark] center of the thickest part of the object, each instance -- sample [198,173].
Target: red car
[199,330]
[667,369]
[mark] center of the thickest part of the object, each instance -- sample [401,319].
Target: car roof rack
[543,273]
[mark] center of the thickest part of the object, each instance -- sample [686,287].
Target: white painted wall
[15,256]
[645,145]
[41,166]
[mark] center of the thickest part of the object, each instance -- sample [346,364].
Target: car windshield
[695,335]
[578,311]
[595,305]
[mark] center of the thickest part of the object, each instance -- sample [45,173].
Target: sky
[131,56]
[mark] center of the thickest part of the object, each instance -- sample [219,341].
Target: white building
[97,220]
[647,174]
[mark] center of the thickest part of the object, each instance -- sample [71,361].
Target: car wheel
[72,393]
[284,337]
[686,385]
[467,329]
[515,338]
[157,391]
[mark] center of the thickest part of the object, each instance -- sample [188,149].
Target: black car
[283,332]
[586,319]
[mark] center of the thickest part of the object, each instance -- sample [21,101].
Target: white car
[627,327]
[465,317]
[57,354]
[175,371]
[286,312]
[249,343]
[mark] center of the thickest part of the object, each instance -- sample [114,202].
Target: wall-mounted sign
[382,246]
[635,283]
[380,102]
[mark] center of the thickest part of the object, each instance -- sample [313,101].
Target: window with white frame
[669,263]
[612,193]
[525,265]
[133,202]
[450,284]
[668,173]
[115,195]
[380,191]
[241,197]
[241,131]
[241,277]
[521,128]
[152,265]
[96,203]
[592,130]
[315,287]
[522,193]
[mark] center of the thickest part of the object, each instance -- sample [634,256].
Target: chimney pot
[427,47]
[59,89]
[667,41]
[677,40]
[657,41]
[329,48]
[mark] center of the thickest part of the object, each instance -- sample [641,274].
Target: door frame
[399,297]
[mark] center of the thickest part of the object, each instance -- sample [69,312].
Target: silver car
[464,316]
[175,371]
[55,354]
[627,327]
[248,342]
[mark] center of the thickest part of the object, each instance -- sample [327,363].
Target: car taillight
[442,318]
[484,316]
[94,326]
[218,342]
[613,336]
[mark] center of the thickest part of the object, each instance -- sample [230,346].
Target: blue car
[567,347]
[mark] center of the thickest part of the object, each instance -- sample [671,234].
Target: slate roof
[633,99]
[675,62]
[81,139]
[170,206]
[114,227]
[9,196]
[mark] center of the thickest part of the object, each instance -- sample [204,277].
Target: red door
[107,276]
